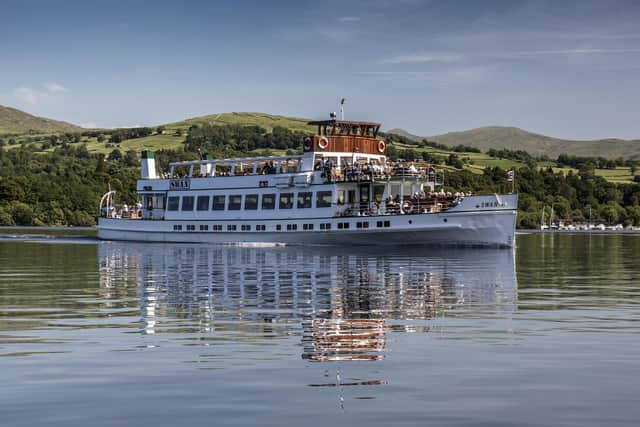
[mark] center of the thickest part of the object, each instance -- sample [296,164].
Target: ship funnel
[148,165]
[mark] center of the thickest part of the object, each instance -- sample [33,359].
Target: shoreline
[535,230]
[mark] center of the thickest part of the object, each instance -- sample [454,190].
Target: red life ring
[381,146]
[307,143]
[323,143]
[407,207]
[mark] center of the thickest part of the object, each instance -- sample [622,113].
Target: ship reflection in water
[341,304]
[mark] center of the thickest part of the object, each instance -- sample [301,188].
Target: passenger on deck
[348,171]
[328,169]
[271,168]
[356,170]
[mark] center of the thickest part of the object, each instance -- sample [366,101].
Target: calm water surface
[101,334]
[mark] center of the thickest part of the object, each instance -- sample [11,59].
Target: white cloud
[422,57]
[32,96]
[88,125]
[29,95]
[55,88]
[469,75]
[349,19]
[576,51]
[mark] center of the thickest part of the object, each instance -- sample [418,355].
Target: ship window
[308,226]
[216,227]
[204,228]
[191,227]
[174,203]
[158,202]
[245,227]
[341,197]
[292,227]
[203,203]
[278,227]
[177,228]
[218,203]
[231,227]
[327,226]
[323,199]
[251,202]
[286,201]
[379,224]
[187,203]
[387,224]
[235,202]
[304,200]
[261,227]
[268,201]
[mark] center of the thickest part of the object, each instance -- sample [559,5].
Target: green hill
[13,121]
[266,121]
[512,138]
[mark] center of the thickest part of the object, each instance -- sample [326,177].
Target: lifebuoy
[307,143]
[323,143]
[407,207]
[381,146]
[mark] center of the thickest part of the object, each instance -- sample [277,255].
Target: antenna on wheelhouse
[342,108]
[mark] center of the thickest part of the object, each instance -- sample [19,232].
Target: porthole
[445,220]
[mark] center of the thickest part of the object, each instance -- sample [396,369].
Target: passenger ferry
[340,190]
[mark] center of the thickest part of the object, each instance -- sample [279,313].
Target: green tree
[22,213]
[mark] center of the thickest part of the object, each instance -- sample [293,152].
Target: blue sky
[562,68]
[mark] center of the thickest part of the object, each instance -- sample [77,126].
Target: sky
[569,69]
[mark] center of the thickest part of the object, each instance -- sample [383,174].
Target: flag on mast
[510,175]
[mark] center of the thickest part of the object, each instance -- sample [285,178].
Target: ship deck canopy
[346,127]
[237,166]
[236,160]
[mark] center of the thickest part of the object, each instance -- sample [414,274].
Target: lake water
[101,334]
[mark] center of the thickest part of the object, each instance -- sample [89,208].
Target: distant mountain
[512,138]
[16,121]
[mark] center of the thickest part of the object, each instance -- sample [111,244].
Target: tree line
[64,186]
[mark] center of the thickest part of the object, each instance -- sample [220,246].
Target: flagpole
[513,183]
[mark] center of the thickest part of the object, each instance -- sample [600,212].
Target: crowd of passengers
[347,171]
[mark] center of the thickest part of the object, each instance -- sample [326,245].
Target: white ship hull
[462,228]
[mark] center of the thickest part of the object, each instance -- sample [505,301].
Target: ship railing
[121,212]
[390,207]
[337,175]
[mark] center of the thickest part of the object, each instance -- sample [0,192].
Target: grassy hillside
[512,138]
[263,120]
[174,133]
[13,121]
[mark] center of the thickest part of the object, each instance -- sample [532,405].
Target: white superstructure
[339,191]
